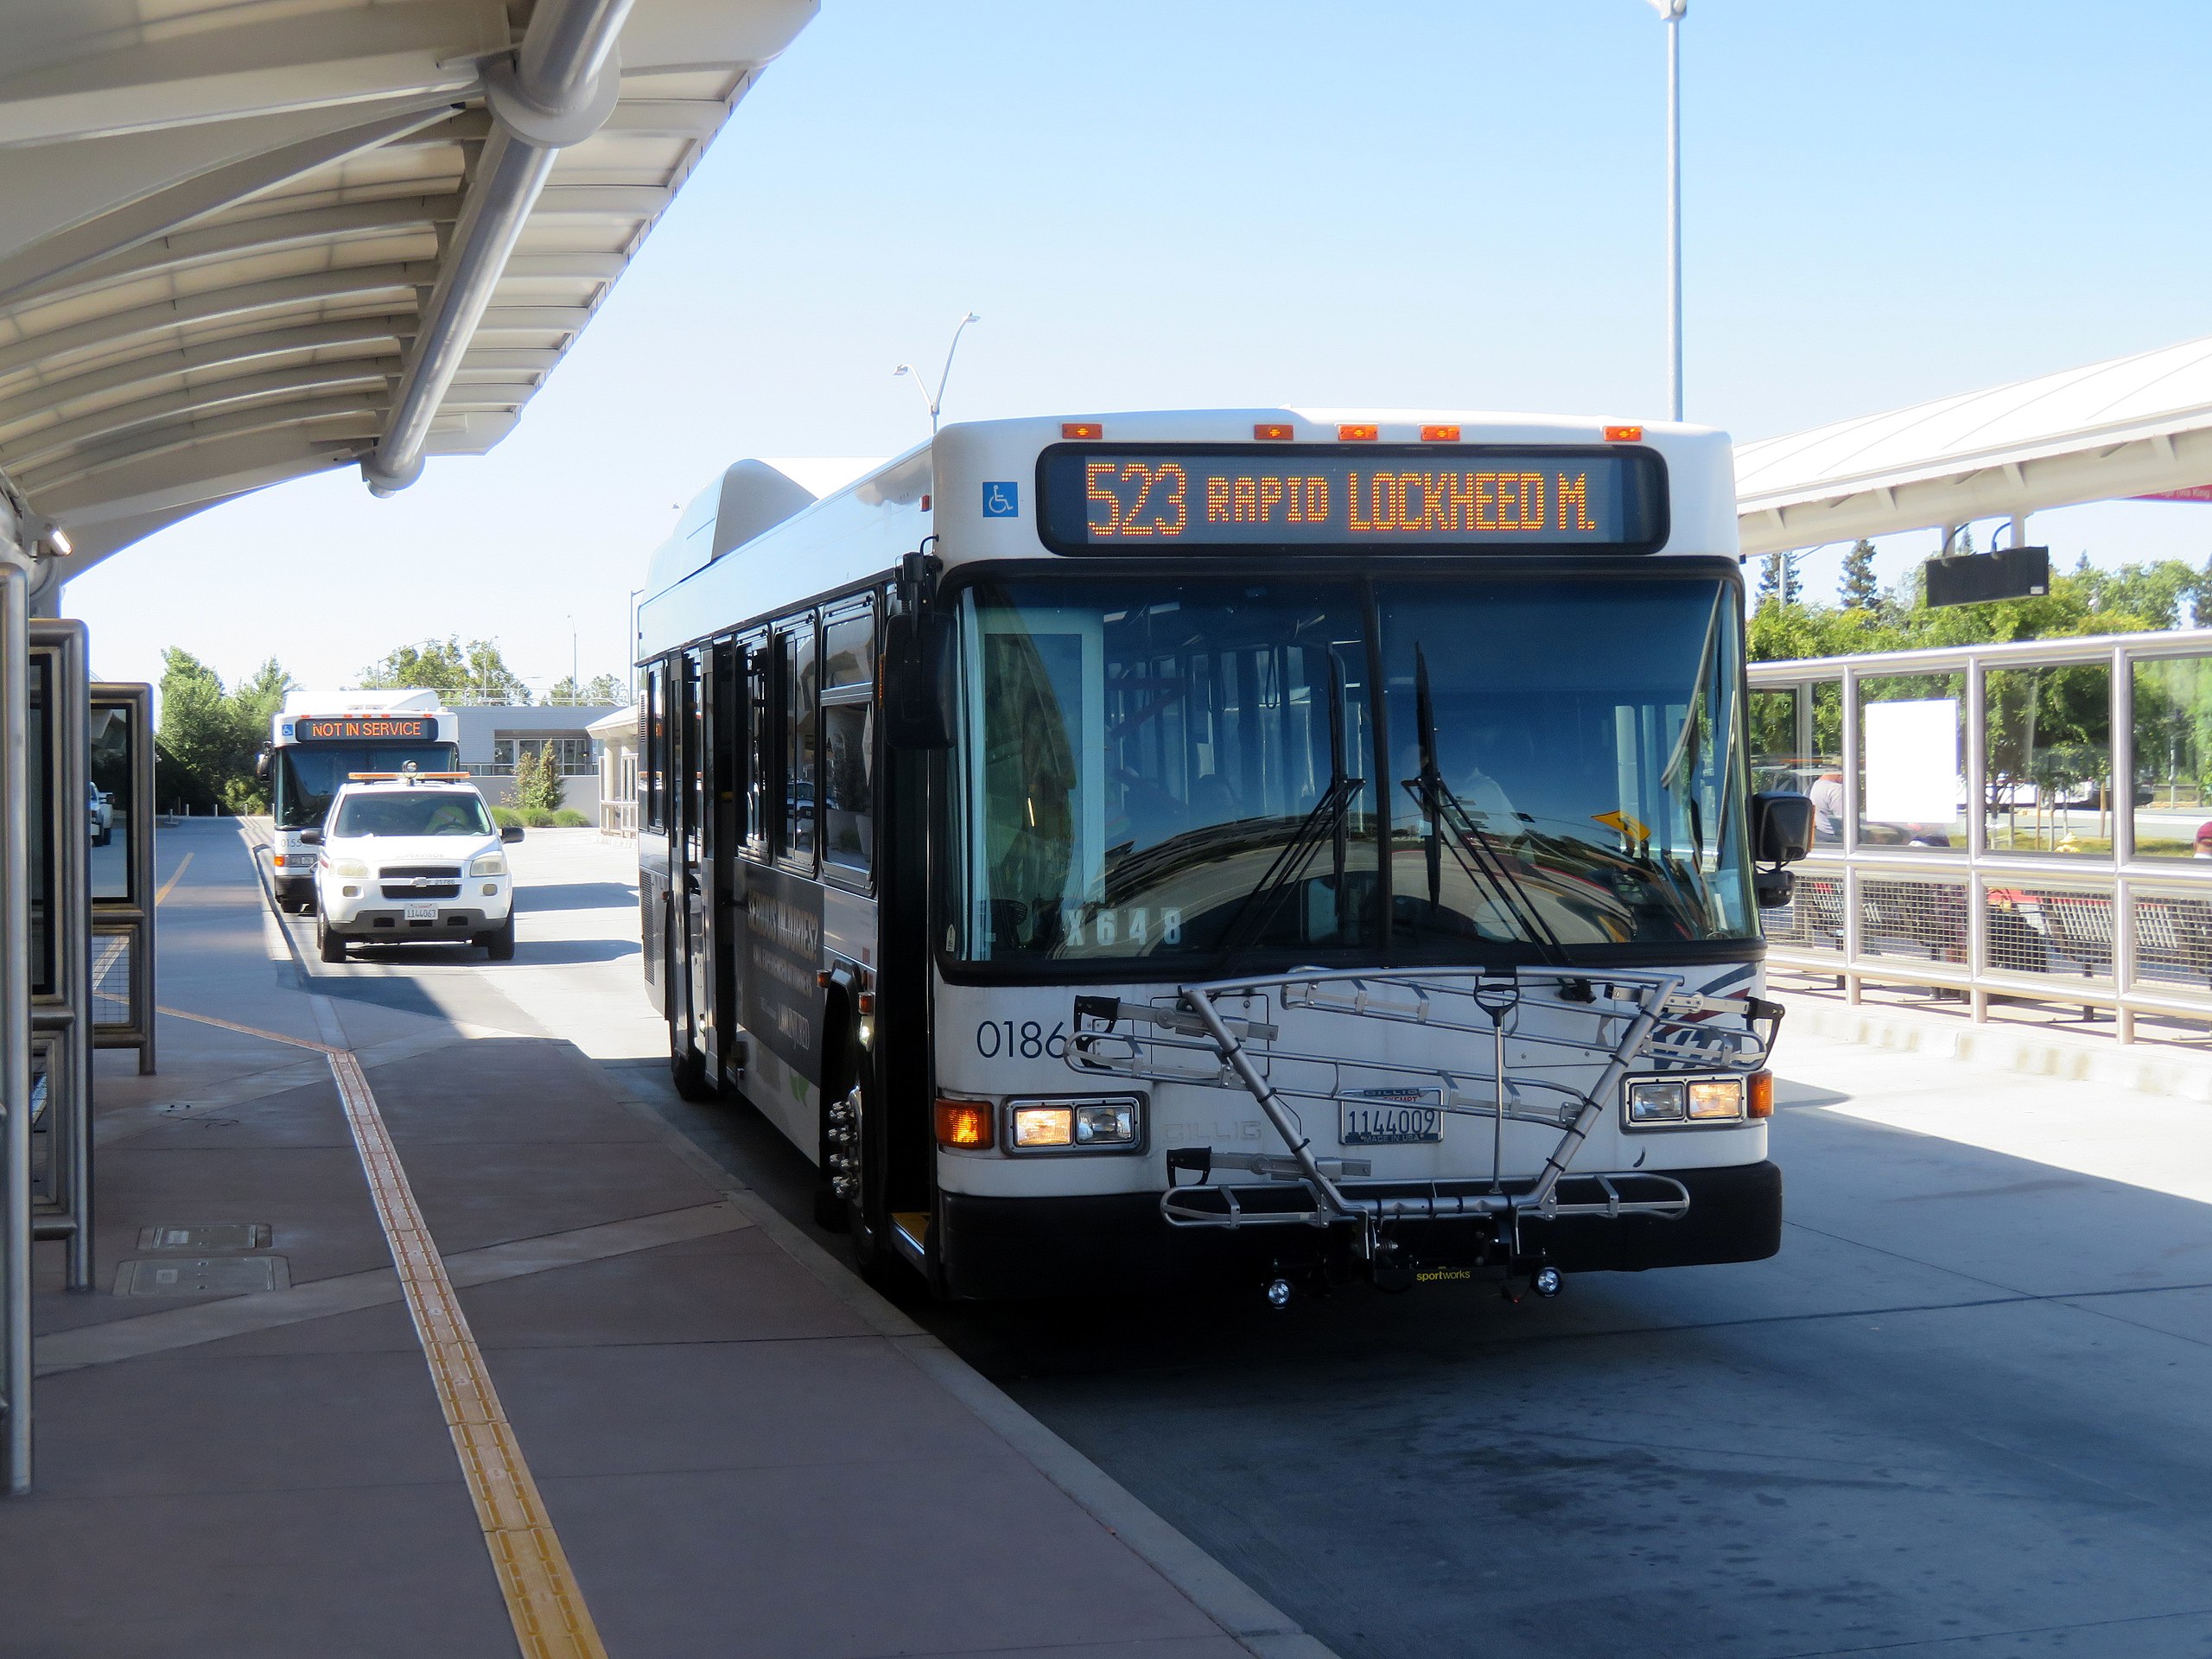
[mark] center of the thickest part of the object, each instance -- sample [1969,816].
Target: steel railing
[2107,929]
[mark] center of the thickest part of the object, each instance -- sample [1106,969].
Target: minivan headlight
[348,868]
[489,864]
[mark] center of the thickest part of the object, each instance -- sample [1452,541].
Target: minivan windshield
[1211,766]
[440,812]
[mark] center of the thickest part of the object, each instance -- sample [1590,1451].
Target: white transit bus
[1280,843]
[313,747]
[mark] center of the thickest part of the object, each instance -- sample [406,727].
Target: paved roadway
[1964,1413]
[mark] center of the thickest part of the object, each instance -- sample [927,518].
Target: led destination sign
[365,729]
[1381,497]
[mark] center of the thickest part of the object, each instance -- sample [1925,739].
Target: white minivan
[412,858]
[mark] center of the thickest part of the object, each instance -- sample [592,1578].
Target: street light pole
[1671,11]
[937,403]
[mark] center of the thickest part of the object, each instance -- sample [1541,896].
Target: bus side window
[652,746]
[760,738]
[800,739]
[849,738]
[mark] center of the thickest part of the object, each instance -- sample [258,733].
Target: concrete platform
[741,1449]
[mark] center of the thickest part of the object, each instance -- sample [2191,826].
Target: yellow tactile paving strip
[551,1619]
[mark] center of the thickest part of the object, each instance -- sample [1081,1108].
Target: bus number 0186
[1027,1040]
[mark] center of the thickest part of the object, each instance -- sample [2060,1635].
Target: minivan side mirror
[261,766]
[918,680]
[311,837]
[511,832]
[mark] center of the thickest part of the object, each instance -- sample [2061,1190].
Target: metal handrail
[2120,876]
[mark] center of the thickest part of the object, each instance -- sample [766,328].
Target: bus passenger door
[694,850]
[713,986]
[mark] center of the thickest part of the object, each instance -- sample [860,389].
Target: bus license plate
[422,913]
[1382,1117]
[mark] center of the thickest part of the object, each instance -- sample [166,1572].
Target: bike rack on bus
[1209,1037]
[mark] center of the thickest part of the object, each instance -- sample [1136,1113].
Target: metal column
[15,1037]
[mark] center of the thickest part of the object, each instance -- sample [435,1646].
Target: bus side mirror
[1781,827]
[261,766]
[1781,833]
[918,680]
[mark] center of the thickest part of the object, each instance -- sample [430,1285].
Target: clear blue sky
[1451,203]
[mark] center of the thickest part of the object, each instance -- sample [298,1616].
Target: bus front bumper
[989,1249]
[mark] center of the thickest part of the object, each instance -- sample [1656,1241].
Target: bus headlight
[1112,1124]
[489,864]
[352,868]
[1653,1102]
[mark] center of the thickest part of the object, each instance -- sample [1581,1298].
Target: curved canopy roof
[222,222]
[2129,425]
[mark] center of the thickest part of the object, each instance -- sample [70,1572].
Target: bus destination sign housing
[1335,499]
[367,728]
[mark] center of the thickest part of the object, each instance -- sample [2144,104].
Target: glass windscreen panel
[1912,742]
[1165,769]
[1567,761]
[306,776]
[442,812]
[112,770]
[2050,758]
[1163,497]
[38,769]
[2173,758]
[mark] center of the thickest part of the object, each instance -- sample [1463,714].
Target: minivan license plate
[1382,1117]
[422,913]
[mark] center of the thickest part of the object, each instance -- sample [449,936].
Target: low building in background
[614,751]
[495,737]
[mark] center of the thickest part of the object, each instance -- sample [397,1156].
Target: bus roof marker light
[1358,433]
[1273,432]
[1082,429]
[1439,435]
[1624,435]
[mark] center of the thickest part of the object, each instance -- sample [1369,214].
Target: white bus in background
[1292,844]
[317,740]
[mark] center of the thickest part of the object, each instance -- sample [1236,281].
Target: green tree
[1860,591]
[605,688]
[475,671]
[538,784]
[205,748]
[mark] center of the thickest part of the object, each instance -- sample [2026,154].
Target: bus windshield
[1210,767]
[305,776]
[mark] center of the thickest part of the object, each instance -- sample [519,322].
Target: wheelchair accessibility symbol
[1001,501]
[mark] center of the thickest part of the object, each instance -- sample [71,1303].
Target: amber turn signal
[1275,433]
[1357,433]
[1439,435]
[1624,435]
[964,1123]
[1758,1099]
[1082,429]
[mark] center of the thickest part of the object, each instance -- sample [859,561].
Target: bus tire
[500,943]
[330,946]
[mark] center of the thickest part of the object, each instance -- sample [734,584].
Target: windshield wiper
[1327,820]
[1470,839]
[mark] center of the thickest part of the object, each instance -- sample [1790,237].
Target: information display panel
[367,728]
[1335,498]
